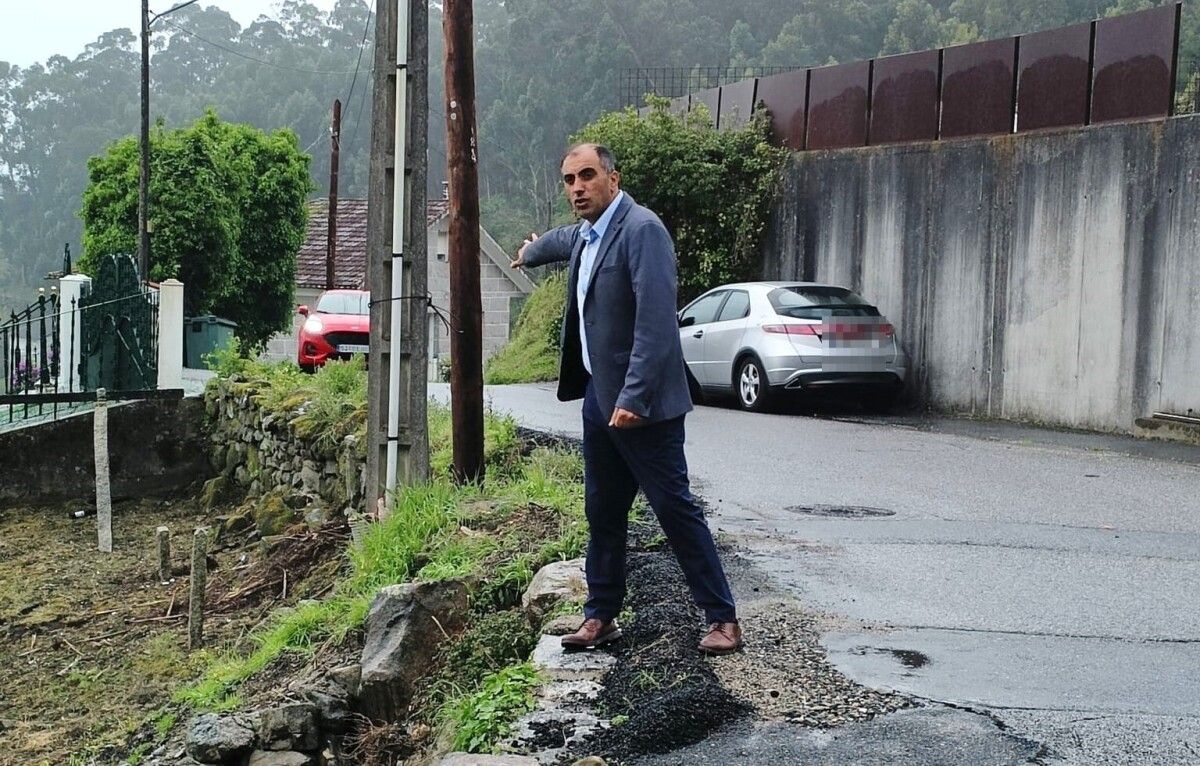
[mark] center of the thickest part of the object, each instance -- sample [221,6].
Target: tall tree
[229,214]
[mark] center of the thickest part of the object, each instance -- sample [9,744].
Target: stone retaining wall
[263,452]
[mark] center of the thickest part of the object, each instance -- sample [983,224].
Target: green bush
[712,188]
[532,353]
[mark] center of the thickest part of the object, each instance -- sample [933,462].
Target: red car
[337,328]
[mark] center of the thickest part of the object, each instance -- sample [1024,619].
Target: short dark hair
[607,160]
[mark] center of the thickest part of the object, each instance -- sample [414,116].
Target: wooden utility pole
[331,237]
[466,304]
[413,442]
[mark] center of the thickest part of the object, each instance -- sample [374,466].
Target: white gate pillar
[70,330]
[170,334]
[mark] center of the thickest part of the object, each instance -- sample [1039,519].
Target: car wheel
[309,368]
[751,386]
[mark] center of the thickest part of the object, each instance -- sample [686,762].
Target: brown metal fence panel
[1134,73]
[1054,75]
[977,88]
[837,105]
[785,96]
[737,103]
[904,98]
[710,98]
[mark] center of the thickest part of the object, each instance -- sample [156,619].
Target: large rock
[404,627]
[553,584]
[288,727]
[332,708]
[218,739]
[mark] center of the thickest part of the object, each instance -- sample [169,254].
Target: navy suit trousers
[616,463]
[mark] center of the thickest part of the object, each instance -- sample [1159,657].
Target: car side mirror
[302,311]
[687,321]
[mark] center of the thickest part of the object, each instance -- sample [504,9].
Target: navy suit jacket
[628,314]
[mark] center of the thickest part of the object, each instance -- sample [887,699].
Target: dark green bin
[203,335]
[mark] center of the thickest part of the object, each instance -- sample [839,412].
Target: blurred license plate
[353,348]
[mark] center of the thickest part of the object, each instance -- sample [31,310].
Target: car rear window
[345,303]
[817,302]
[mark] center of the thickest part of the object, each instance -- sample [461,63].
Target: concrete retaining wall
[1050,277]
[155,448]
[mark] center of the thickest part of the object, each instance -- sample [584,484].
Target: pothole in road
[840,511]
[911,658]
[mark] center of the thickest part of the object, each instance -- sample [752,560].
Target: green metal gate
[119,330]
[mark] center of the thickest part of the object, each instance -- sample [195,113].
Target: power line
[361,45]
[239,54]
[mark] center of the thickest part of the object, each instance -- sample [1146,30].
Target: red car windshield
[345,303]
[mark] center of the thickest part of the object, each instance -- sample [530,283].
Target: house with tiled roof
[503,289]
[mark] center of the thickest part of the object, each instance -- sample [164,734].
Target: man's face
[589,189]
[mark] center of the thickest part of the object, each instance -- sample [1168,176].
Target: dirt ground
[92,644]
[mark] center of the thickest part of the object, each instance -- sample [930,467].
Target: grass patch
[326,406]
[528,512]
[532,353]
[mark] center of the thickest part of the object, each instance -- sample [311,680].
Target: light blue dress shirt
[593,234]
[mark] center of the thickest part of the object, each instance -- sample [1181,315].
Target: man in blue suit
[621,355]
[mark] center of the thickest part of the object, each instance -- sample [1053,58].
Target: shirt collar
[601,224]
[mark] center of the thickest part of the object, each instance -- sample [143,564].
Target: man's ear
[616,177]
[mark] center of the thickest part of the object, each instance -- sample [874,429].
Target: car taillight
[887,330]
[791,329]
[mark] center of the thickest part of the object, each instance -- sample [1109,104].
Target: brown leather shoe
[592,633]
[722,638]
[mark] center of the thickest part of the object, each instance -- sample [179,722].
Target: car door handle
[698,334]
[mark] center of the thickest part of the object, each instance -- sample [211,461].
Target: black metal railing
[55,357]
[30,347]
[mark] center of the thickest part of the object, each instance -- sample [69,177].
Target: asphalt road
[1047,578]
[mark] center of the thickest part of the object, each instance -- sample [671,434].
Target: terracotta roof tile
[350,267]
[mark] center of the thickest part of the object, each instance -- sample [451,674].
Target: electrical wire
[239,54]
[361,46]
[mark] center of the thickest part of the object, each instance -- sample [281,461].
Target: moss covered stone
[272,514]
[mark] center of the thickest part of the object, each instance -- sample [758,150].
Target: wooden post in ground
[196,589]
[466,304]
[163,537]
[103,489]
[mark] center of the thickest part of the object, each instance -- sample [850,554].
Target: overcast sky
[34,30]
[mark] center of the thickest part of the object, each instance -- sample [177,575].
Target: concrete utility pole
[466,304]
[331,236]
[413,441]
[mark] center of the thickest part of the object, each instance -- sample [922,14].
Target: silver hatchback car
[759,340]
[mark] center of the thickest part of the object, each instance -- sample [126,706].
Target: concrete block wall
[1051,277]
[497,290]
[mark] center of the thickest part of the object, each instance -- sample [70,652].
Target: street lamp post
[144,174]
